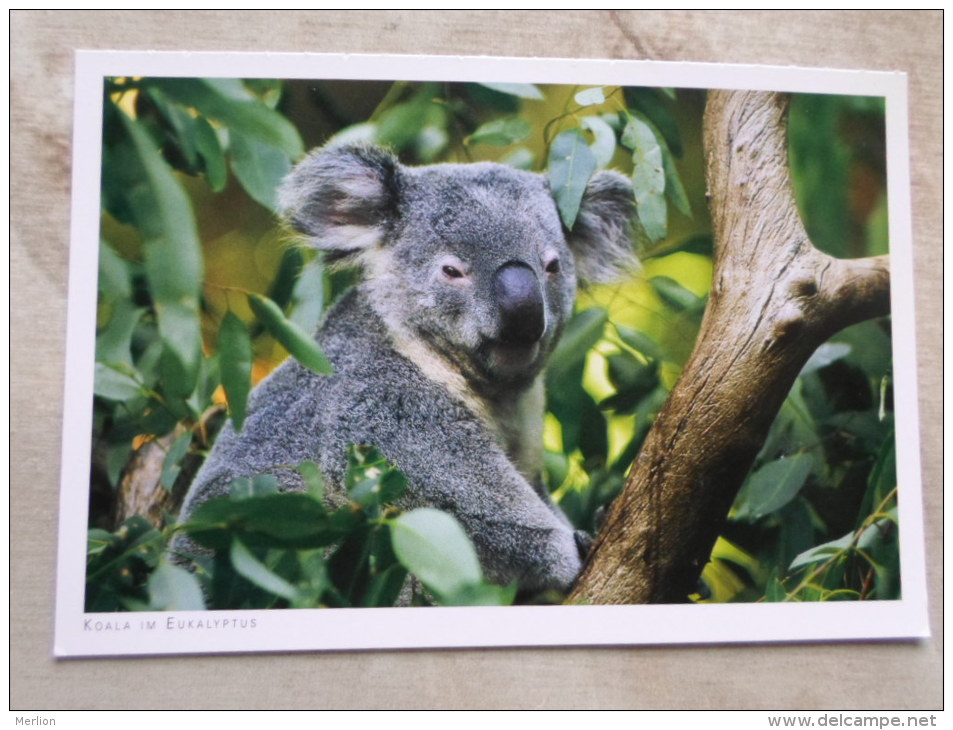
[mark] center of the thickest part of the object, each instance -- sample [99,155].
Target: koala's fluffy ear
[343,198]
[601,238]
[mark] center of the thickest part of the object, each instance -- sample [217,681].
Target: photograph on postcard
[446,343]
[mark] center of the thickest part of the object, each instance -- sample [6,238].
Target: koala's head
[471,260]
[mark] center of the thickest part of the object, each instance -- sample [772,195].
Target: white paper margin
[116,634]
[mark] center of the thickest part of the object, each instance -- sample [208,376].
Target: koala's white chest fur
[516,423]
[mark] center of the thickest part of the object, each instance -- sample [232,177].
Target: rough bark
[140,490]
[774,299]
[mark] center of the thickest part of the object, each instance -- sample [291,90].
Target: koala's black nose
[520,300]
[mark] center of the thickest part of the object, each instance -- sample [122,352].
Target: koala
[468,279]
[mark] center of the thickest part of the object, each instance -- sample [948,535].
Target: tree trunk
[140,490]
[774,299]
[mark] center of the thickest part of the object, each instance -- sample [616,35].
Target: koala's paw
[583,543]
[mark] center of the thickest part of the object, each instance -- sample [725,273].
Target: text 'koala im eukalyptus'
[468,280]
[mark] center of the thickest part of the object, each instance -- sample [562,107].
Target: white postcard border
[81,634]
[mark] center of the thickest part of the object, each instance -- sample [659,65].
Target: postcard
[376,352]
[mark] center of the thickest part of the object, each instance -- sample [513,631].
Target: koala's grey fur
[468,280]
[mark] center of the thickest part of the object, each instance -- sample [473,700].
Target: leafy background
[201,294]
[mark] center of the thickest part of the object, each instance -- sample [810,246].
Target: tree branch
[774,300]
[140,491]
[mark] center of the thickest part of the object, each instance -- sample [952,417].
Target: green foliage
[655,178]
[195,292]
[151,370]
[432,545]
[648,180]
[298,342]
[234,346]
[571,163]
[839,165]
[118,565]
[816,518]
[819,510]
[432,121]
[272,550]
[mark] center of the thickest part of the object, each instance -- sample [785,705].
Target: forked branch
[774,299]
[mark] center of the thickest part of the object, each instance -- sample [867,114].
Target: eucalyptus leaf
[236,109]
[871,348]
[648,177]
[379,489]
[259,167]
[482,594]
[653,215]
[267,90]
[639,341]
[235,365]
[98,540]
[820,553]
[301,345]
[773,486]
[115,282]
[568,401]
[259,485]
[363,133]
[210,150]
[824,355]
[313,479]
[384,587]
[248,566]
[113,384]
[591,96]
[113,343]
[650,102]
[172,588]
[701,243]
[182,124]
[281,290]
[583,331]
[674,294]
[674,188]
[774,591]
[592,437]
[501,132]
[571,164]
[883,475]
[307,298]
[433,546]
[182,349]
[135,548]
[615,120]
[117,456]
[274,520]
[632,378]
[173,256]
[521,158]
[430,142]
[399,126]
[172,463]
[794,427]
[884,557]
[314,575]
[523,91]
[604,142]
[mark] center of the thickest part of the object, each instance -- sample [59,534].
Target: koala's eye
[553,267]
[452,272]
